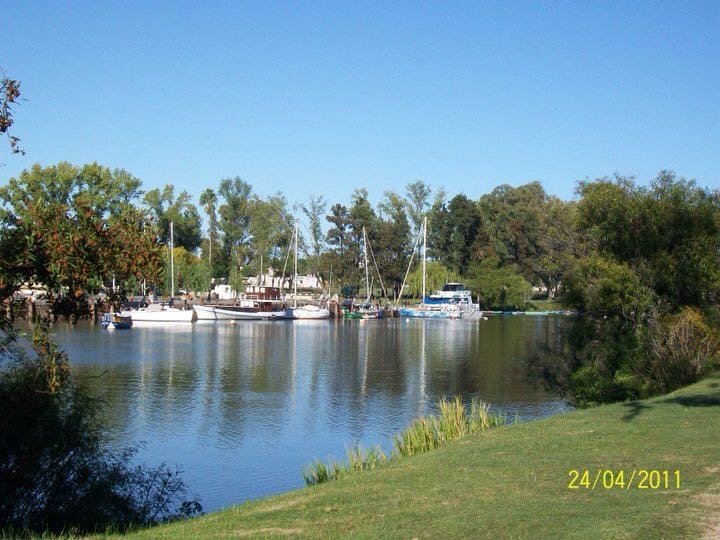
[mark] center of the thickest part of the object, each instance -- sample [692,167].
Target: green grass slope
[513,481]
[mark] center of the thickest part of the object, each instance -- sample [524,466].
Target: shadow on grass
[634,409]
[702,400]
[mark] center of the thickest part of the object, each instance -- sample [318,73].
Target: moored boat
[234,313]
[163,314]
[116,321]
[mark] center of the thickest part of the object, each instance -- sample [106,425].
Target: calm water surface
[241,409]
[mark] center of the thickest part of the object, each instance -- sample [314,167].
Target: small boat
[257,303]
[161,313]
[116,321]
[233,313]
[309,311]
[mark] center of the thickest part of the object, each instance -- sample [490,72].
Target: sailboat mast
[295,275]
[172,263]
[424,256]
[367,271]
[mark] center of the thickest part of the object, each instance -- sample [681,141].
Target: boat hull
[307,313]
[166,315]
[211,313]
[419,313]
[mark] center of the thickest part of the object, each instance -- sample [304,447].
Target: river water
[241,409]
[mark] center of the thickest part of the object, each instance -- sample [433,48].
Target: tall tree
[335,263]
[314,210]
[270,228]
[455,229]
[392,244]
[208,199]
[360,215]
[418,203]
[514,219]
[235,222]
[184,215]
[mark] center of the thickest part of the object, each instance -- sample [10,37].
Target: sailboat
[308,311]
[161,313]
[366,310]
[426,310]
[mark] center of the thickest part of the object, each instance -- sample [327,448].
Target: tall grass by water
[453,421]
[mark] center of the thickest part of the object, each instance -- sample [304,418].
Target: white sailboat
[425,310]
[161,313]
[308,311]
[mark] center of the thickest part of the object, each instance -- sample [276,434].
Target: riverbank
[513,481]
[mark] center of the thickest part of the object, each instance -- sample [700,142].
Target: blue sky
[326,97]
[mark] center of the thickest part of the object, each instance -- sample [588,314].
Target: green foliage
[418,195]
[358,459]
[498,287]
[681,349]
[208,200]
[453,422]
[57,471]
[73,229]
[180,211]
[649,288]
[234,223]
[668,233]
[436,275]
[191,272]
[607,288]
[314,211]
[453,233]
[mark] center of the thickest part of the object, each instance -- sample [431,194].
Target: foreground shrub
[57,473]
[681,349]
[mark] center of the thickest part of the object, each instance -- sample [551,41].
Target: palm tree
[208,199]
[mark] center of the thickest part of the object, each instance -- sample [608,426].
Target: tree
[9,95]
[181,212]
[72,229]
[335,262]
[418,203]
[513,226]
[668,233]
[392,246]
[270,227]
[454,233]
[498,287]
[235,222]
[208,200]
[436,275]
[314,211]
[360,215]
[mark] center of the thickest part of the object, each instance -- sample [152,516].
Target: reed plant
[452,422]
[358,459]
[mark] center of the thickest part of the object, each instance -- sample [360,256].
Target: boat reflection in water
[241,409]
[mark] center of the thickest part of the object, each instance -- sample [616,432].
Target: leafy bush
[681,348]
[499,287]
[57,473]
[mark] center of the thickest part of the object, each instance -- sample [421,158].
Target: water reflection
[241,408]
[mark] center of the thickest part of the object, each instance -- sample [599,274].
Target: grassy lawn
[513,481]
